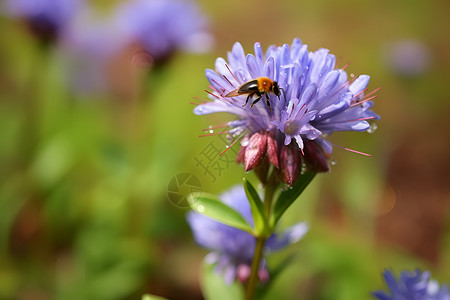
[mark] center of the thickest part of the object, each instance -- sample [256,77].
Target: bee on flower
[288,130]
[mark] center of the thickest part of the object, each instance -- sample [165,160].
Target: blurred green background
[84,212]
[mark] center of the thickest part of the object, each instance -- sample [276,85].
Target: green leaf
[258,209]
[151,297]
[210,206]
[288,197]
[214,287]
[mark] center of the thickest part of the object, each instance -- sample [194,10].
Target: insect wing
[233,93]
[249,87]
[246,88]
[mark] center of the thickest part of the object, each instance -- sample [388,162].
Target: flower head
[91,43]
[45,17]
[408,57]
[164,26]
[412,286]
[316,99]
[233,249]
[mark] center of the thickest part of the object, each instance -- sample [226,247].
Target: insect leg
[267,101]
[256,100]
[248,97]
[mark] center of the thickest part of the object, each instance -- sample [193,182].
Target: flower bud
[241,155]
[290,163]
[272,150]
[255,150]
[263,275]
[315,158]
[243,272]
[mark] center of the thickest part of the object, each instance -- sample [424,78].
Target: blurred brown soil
[418,173]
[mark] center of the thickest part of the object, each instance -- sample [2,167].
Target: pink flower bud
[272,150]
[263,275]
[255,150]
[290,163]
[243,272]
[241,155]
[315,158]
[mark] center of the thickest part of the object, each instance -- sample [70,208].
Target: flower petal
[214,107]
[259,55]
[269,67]
[359,84]
[289,236]
[309,94]
[335,108]
[344,126]
[328,84]
[253,67]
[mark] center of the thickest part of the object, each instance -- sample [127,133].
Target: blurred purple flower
[315,100]
[164,26]
[233,249]
[90,43]
[93,36]
[408,57]
[45,17]
[412,286]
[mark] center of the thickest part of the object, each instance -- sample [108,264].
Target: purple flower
[93,36]
[316,99]
[408,57]
[412,286]
[91,44]
[164,26]
[233,249]
[45,17]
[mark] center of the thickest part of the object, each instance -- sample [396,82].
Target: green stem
[260,241]
[270,190]
[259,249]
